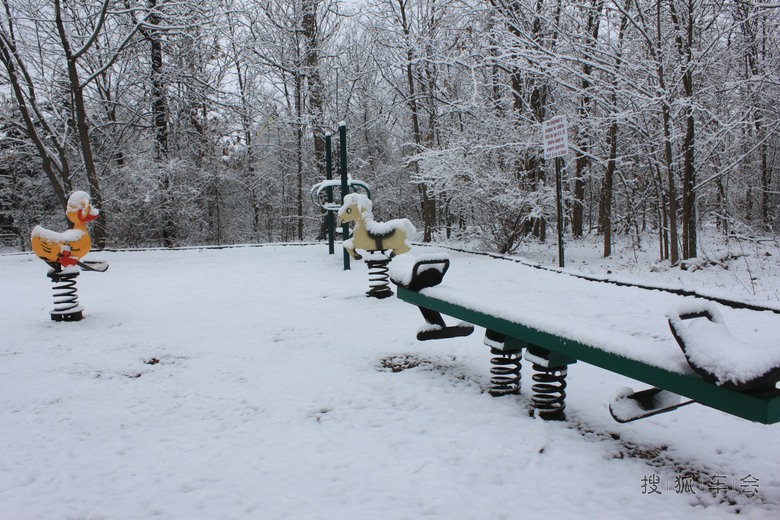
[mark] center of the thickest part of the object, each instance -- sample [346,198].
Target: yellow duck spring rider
[64,253]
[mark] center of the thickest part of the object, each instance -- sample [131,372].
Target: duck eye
[349,210]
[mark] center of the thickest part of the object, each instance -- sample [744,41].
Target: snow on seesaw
[260,383]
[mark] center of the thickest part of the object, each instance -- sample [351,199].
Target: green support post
[344,183]
[329,191]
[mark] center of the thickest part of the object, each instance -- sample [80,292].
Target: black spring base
[68,316]
[549,392]
[505,372]
[66,302]
[378,275]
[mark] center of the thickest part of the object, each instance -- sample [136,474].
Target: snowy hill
[260,383]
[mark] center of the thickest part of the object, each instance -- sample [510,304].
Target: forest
[195,122]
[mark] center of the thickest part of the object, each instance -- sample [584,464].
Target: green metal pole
[344,183]
[329,192]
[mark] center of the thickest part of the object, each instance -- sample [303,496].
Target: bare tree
[68,31]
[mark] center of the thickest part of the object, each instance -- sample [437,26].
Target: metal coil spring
[379,278]
[549,392]
[506,372]
[66,304]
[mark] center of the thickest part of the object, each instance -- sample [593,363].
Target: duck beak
[89,217]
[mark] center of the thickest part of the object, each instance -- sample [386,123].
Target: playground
[261,382]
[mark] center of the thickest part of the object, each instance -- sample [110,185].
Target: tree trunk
[766,193]
[582,161]
[82,127]
[428,213]
[57,172]
[684,43]
[605,203]
[299,154]
[666,117]
[314,82]
[159,98]
[159,105]
[689,193]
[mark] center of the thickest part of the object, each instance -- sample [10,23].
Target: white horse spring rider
[371,235]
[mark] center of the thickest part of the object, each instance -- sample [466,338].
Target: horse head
[356,207]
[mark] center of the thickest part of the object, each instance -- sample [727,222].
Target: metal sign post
[555,141]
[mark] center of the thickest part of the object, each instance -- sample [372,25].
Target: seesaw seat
[716,355]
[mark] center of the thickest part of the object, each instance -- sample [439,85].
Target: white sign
[555,138]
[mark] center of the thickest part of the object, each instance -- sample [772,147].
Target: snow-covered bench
[554,322]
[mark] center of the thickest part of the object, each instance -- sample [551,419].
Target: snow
[63,237]
[402,266]
[626,409]
[260,382]
[80,200]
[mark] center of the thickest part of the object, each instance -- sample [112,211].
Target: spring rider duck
[64,252]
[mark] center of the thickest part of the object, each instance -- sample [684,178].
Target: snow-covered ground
[260,383]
